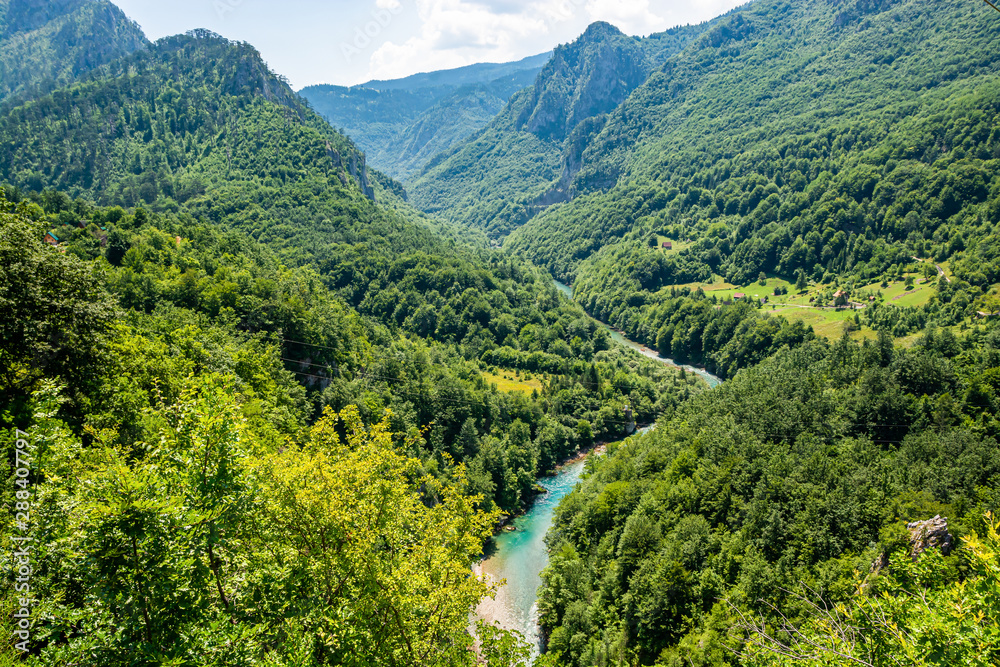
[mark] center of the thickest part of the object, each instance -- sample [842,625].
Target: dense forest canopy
[268,412]
[146,321]
[783,140]
[825,156]
[228,275]
[800,471]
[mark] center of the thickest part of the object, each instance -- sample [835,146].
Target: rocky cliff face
[930,534]
[923,535]
[45,44]
[589,77]
[573,94]
[526,159]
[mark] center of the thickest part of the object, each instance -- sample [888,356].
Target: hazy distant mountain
[402,123]
[462,76]
[49,43]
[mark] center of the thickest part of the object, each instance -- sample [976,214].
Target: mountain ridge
[522,153]
[402,123]
[459,76]
[45,45]
[686,134]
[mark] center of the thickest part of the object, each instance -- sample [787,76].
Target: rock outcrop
[589,77]
[924,535]
[930,534]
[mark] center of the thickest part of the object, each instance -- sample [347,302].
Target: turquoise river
[519,556]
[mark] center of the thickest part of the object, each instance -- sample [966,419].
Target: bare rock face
[929,534]
[587,78]
[924,535]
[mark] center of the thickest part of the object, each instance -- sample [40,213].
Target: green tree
[800,281]
[379,576]
[915,614]
[56,310]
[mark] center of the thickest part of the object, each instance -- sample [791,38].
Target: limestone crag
[929,534]
[924,535]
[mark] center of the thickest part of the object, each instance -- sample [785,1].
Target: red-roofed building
[667,245]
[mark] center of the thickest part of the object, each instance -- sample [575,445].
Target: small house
[840,293]
[51,239]
[739,295]
[667,245]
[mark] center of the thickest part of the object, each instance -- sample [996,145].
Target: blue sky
[341,42]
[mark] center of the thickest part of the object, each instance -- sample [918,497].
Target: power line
[405,394]
[775,436]
[390,379]
[992,5]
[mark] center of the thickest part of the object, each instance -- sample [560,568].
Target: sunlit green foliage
[798,471]
[915,614]
[218,542]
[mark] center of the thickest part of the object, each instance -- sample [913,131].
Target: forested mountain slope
[826,137]
[222,275]
[178,497]
[196,123]
[501,176]
[402,123]
[780,490]
[267,414]
[49,43]
[197,133]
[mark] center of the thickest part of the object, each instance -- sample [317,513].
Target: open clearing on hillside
[826,323]
[798,306]
[512,382]
[677,245]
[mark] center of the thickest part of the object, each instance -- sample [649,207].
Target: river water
[618,337]
[520,556]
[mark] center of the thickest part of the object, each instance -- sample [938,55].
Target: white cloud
[452,33]
[634,17]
